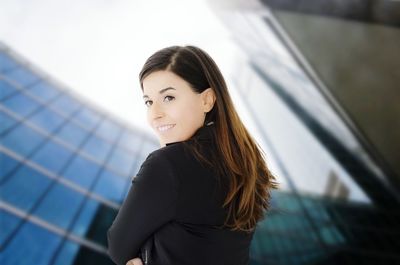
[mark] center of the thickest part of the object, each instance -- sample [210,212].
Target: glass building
[320,79]
[330,137]
[66,166]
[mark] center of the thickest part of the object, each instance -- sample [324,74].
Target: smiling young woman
[198,198]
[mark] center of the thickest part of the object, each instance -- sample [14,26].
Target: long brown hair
[240,159]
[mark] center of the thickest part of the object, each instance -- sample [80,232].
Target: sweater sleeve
[149,204]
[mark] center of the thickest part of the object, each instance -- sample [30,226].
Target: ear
[208,99]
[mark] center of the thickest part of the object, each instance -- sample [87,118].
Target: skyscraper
[319,79]
[66,166]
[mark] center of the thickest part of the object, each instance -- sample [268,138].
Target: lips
[165,127]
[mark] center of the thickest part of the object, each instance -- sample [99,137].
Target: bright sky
[97,47]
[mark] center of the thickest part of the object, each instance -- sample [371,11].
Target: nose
[156,111]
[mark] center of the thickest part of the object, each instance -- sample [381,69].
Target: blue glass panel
[87,118]
[65,104]
[22,76]
[31,245]
[47,119]
[6,121]
[131,141]
[21,104]
[6,89]
[111,186]
[24,188]
[6,62]
[44,91]
[67,254]
[108,129]
[60,206]
[72,133]
[52,156]
[86,218]
[22,139]
[8,222]
[6,164]
[121,161]
[97,148]
[81,171]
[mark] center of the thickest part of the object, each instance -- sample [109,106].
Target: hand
[135,261]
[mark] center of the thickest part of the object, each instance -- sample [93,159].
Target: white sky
[97,47]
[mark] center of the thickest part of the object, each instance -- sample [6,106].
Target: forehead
[162,79]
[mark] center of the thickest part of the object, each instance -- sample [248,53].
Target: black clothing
[175,206]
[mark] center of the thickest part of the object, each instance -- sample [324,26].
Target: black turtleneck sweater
[172,212]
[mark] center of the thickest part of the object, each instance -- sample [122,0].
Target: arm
[150,203]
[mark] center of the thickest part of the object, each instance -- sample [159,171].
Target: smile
[165,127]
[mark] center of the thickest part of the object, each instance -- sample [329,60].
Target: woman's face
[174,110]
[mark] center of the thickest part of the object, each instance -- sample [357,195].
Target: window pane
[97,148]
[6,164]
[22,139]
[6,89]
[60,206]
[108,129]
[68,253]
[130,140]
[47,119]
[95,219]
[86,218]
[21,104]
[6,62]
[22,76]
[8,222]
[81,171]
[52,156]
[72,133]
[65,104]
[121,161]
[6,122]
[87,118]
[111,186]
[24,188]
[44,91]
[31,245]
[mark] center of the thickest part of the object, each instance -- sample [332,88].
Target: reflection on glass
[44,91]
[110,186]
[6,89]
[97,148]
[22,139]
[65,104]
[87,118]
[59,206]
[47,120]
[24,188]
[52,156]
[21,104]
[72,134]
[81,171]
[31,245]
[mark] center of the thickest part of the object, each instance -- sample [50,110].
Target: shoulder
[170,153]
[159,165]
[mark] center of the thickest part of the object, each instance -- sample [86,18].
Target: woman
[198,198]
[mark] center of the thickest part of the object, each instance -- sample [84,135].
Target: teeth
[164,128]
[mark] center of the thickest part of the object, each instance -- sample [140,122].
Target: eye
[145,103]
[171,97]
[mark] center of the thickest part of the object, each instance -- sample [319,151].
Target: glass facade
[337,204]
[66,166]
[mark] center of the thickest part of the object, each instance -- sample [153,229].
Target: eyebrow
[161,91]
